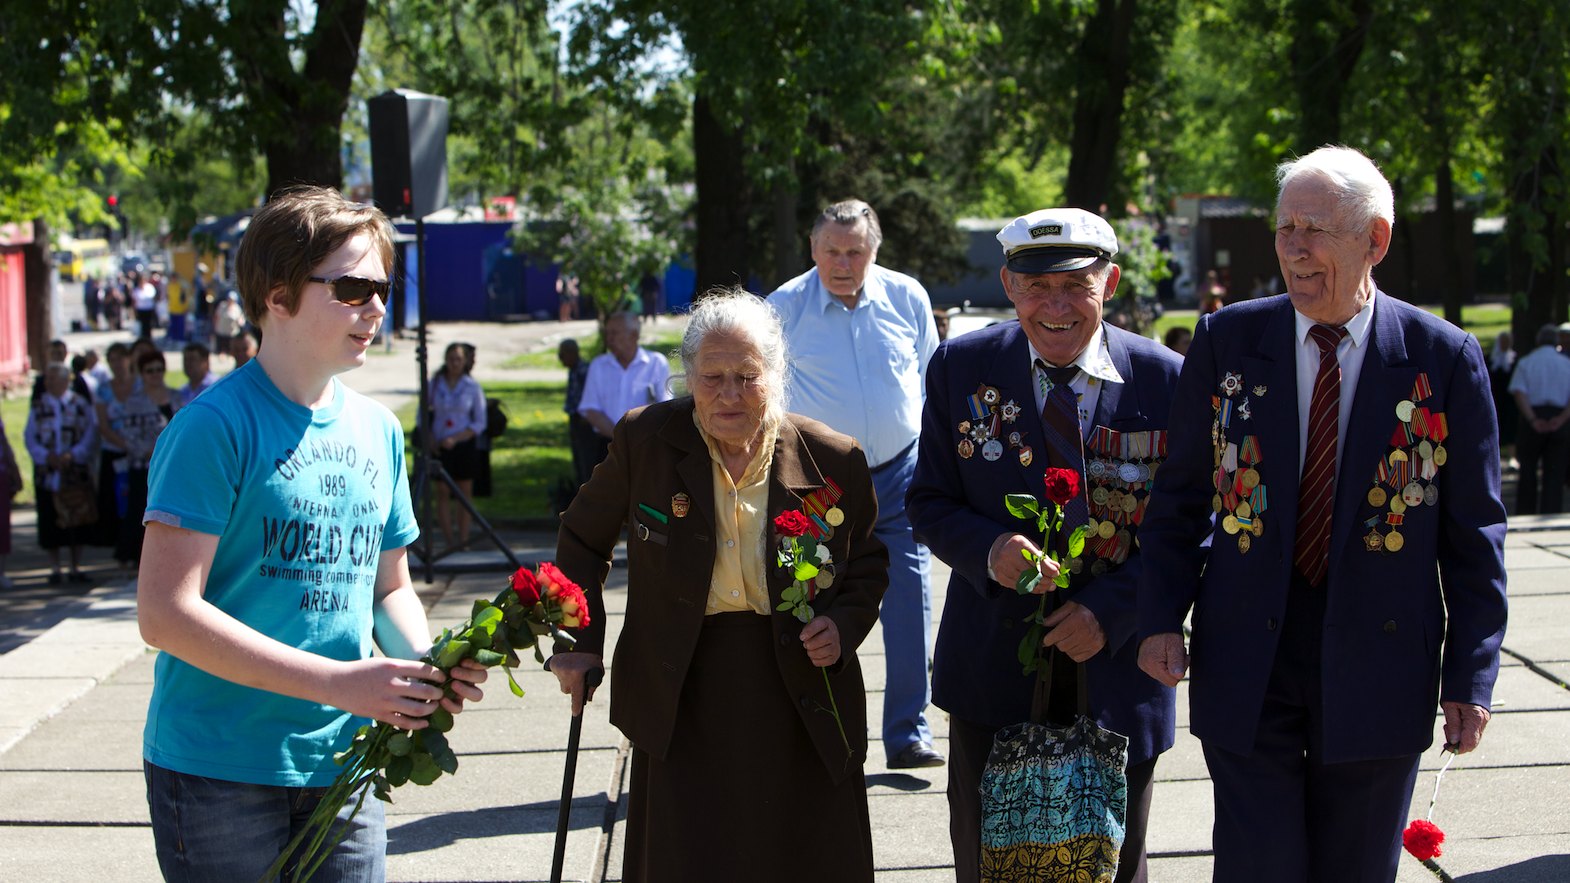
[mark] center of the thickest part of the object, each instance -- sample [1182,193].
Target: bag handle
[1041,698]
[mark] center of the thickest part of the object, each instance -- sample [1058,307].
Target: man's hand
[1075,631]
[571,670]
[463,681]
[1163,658]
[1008,562]
[1464,723]
[400,692]
[821,638]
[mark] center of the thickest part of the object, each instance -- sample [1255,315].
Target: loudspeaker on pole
[408,152]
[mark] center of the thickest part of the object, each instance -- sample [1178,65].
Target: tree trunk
[721,254]
[306,107]
[1098,104]
[1450,292]
[1328,38]
[37,261]
[787,236]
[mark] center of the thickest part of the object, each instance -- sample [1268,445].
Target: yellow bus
[78,259]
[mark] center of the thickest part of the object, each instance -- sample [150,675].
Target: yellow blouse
[741,513]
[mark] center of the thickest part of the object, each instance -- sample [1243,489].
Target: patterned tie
[1065,442]
[1317,488]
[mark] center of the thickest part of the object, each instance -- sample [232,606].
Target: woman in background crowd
[59,437]
[143,418]
[457,418]
[109,404]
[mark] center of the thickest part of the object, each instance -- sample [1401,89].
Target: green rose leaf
[1076,542]
[805,570]
[398,771]
[400,744]
[452,654]
[1062,579]
[1022,505]
[441,752]
[512,683]
[1027,581]
[424,771]
[489,658]
[1027,649]
[441,720]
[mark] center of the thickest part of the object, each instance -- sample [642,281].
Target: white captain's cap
[1055,240]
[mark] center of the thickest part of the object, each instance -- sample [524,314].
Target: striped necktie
[1317,488]
[1065,442]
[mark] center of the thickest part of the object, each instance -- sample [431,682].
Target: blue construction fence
[474,274]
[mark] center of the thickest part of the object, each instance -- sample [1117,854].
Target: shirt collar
[871,289]
[1357,327]
[762,459]
[1095,360]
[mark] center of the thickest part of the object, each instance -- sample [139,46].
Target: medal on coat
[681,504]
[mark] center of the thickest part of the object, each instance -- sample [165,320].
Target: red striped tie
[1315,491]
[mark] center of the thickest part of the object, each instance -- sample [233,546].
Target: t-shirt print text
[331,536]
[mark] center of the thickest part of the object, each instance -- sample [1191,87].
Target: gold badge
[835,518]
[966,449]
[825,579]
[1377,496]
[1394,541]
[1244,542]
[1440,455]
[681,504]
[1026,456]
[1374,541]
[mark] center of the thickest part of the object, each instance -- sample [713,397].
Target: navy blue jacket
[1390,650]
[956,507]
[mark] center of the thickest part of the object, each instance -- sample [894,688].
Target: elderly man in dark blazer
[1339,449]
[985,434]
[731,702]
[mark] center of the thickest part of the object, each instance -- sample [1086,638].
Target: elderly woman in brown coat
[748,727]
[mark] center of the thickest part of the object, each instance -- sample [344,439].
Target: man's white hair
[1360,188]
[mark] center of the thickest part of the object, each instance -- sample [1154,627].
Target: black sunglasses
[353,290]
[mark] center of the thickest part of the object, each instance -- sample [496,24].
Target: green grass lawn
[1483,320]
[664,342]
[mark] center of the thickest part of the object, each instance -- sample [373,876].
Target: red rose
[1062,485]
[791,523]
[526,586]
[1422,839]
[566,594]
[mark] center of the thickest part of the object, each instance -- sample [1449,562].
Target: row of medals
[1242,522]
[1108,505]
[1417,492]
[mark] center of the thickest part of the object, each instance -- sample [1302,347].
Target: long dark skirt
[743,794]
[50,534]
[107,531]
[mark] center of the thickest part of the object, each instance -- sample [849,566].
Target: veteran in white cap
[1060,388]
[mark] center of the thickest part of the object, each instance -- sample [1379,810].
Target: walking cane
[591,680]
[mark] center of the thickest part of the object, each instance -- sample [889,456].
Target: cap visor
[1050,260]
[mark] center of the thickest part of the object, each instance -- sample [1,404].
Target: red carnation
[526,586]
[1422,839]
[791,523]
[1062,485]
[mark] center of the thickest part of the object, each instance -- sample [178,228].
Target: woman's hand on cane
[571,670]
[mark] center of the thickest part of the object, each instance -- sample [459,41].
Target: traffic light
[114,202]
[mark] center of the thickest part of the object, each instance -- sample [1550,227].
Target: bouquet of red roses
[381,757]
[1062,485]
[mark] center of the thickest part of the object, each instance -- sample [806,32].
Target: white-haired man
[1338,450]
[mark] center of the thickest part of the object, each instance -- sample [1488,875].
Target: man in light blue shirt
[859,337]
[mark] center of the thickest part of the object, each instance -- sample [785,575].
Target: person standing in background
[859,337]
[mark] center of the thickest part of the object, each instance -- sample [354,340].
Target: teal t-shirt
[303,502]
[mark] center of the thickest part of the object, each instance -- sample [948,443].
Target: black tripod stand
[426,467]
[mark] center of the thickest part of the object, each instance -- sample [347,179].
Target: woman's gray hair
[57,369]
[735,310]
[1359,186]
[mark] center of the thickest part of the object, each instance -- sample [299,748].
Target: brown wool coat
[657,453]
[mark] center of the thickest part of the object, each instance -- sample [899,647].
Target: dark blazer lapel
[1014,376]
[1118,403]
[695,467]
[792,476]
[1273,416]
[1386,379]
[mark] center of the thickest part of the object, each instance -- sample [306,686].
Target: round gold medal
[1377,496]
[1440,455]
[1425,449]
[1404,411]
[1230,525]
[1244,509]
[1258,527]
[834,517]
[1106,529]
[1129,503]
[825,579]
[1091,526]
[1099,496]
[1215,504]
[1397,505]
[1394,541]
[1251,478]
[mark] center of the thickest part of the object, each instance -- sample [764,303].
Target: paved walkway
[75,679]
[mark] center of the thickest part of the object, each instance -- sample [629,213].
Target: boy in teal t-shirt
[277,516]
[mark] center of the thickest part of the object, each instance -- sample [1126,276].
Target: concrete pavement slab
[1521,689]
[912,830]
[1547,639]
[1535,557]
[123,854]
